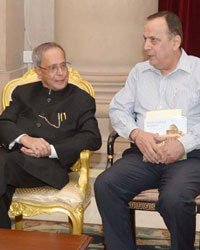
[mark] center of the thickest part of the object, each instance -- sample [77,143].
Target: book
[170,123]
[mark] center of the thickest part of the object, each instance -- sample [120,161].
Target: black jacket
[34,110]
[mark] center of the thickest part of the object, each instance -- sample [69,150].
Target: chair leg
[76,220]
[19,222]
[70,225]
[132,215]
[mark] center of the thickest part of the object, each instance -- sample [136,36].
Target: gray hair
[39,50]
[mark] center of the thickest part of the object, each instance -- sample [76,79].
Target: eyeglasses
[55,67]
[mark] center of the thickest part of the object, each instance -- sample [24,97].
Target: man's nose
[59,71]
[147,44]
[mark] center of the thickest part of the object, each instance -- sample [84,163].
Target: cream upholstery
[71,199]
[147,195]
[69,196]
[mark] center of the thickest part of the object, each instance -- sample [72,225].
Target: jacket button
[48,99]
[38,125]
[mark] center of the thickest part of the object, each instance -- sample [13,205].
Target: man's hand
[146,142]
[36,147]
[173,150]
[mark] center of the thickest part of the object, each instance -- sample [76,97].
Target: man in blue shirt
[169,79]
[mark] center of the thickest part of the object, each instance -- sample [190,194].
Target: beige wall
[103,40]
[102,36]
[11,39]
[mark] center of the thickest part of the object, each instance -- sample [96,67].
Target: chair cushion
[151,195]
[69,195]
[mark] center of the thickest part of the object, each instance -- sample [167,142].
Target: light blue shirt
[147,89]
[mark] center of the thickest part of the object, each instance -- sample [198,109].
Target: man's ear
[38,72]
[176,42]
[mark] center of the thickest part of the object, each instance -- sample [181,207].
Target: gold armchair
[147,199]
[71,199]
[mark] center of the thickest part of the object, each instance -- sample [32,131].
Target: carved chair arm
[82,165]
[83,182]
[110,148]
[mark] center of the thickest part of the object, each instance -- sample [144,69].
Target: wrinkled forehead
[53,55]
[157,26]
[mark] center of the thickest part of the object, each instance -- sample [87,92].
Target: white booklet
[166,122]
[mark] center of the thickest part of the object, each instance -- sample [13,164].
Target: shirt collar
[183,64]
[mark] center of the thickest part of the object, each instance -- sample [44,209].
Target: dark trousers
[12,175]
[178,184]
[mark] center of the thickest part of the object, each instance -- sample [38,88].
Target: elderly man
[170,79]
[43,131]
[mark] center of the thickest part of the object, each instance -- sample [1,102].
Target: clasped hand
[37,147]
[166,153]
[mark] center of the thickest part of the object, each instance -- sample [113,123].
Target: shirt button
[48,99]
[38,125]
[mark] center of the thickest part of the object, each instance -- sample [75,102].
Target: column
[12,39]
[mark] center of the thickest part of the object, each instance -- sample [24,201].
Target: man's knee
[101,183]
[106,182]
[173,202]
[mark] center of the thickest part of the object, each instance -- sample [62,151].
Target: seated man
[170,79]
[43,131]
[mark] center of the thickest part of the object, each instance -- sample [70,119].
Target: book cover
[166,122]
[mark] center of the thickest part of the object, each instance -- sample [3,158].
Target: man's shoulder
[191,57]
[28,86]
[192,65]
[140,67]
[189,62]
[77,91]
[26,89]
[194,60]
[143,65]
